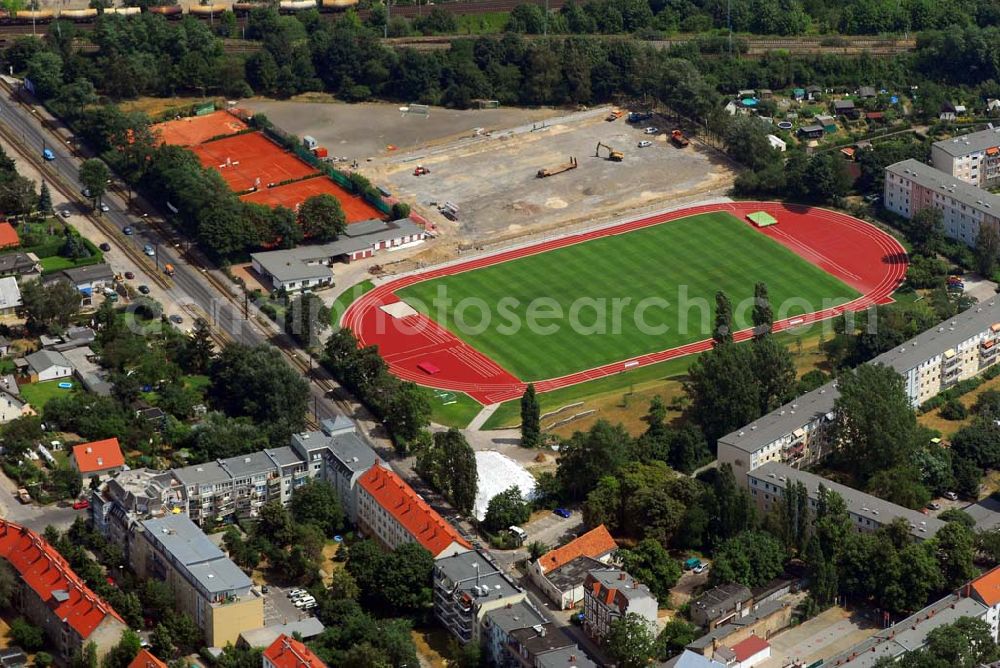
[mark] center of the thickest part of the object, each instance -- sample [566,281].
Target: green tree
[589,456]
[775,373]
[449,466]
[651,565]
[723,390]
[629,642]
[752,558]
[199,349]
[317,503]
[322,218]
[161,643]
[43,660]
[677,634]
[307,318]
[45,70]
[987,250]
[26,634]
[94,175]
[508,508]
[724,328]
[531,428]
[17,195]
[966,643]
[48,306]
[926,230]
[121,655]
[763,314]
[955,548]
[44,200]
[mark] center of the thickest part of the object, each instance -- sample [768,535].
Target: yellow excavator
[613,155]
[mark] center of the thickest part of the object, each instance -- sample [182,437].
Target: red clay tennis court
[197,129]
[292,194]
[249,159]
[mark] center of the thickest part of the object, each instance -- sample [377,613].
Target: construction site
[502,184]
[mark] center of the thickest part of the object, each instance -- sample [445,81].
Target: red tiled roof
[749,647]
[595,543]
[8,236]
[286,652]
[98,456]
[145,659]
[49,575]
[987,587]
[420,520]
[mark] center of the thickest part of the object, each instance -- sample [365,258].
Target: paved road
[33,516]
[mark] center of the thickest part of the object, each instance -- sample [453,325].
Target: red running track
[854,251]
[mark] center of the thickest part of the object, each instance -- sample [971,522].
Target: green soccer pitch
[705,253]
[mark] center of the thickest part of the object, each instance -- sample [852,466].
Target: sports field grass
[683,262]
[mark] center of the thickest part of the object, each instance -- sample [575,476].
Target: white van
[304,601]
[521,534]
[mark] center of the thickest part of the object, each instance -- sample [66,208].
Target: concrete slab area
[825,635]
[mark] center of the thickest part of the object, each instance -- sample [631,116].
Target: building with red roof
[146,659]
[98,458]
[609,595]
[8,236]
[390,511]
[746,654]
[287,652]
[53,597]
[560,572]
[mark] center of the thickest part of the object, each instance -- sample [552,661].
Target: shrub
[954,409]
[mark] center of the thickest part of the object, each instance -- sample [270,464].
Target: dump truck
[558,169]
[678,139]
[613,155]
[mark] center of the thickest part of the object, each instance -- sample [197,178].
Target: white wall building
[973,158]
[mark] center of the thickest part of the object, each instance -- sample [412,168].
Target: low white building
[777,143]
[10,295]
[46,365]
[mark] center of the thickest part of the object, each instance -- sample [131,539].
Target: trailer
[558,169]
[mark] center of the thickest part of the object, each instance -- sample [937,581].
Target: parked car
[105,247]
[692,563]
[81,504]
[562,512]
[701,568]
[651,131]
[129,275]
[951,495]
[297,592]
[65,213]
[127,230]
[934,505]
[105,208]
[645,143]
[144,289]
[176,319]
[148,250]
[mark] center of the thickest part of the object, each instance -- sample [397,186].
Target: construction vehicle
[558,169]
[169,270]
[614,115]
[421,170]
[678,139]
[613,155]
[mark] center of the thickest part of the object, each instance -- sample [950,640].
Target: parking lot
[279,609]
[825,635]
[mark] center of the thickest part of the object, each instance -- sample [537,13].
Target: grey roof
[858,503]
[622,582]
[285,456]
[201,474]
[194,553]
[573,572]
[867,91]
[352,452]
[43,359]
[337,424]
[92,272]
[818,403]
[310,627]
[909,634]
[812,128]
[565,657]
[970,143]
[825,120]
[8,383]
[520,615]
[947,185]
[16,263]
[538,640]
[986,513]
[843,104]
[467,569]
[254,463]
[10,294]
[288,265]
[720,600]
[13,400]
[691,659]
[719,634]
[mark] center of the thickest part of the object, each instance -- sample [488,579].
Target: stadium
[819,262]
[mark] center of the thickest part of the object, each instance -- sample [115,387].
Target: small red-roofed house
[560,572]
[97,459]
[986,589]
[53,597]
[8,236]
[287,652]
[745,654]
[391,512]
[146,659]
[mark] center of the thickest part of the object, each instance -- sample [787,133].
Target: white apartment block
[973,158]
[911,186]
[935,360]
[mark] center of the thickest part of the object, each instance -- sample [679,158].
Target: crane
[613,155]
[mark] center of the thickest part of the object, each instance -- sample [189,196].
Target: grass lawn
[487,23]
[198,383]
[38,394]
[683,262]
[346,298]
[457,412]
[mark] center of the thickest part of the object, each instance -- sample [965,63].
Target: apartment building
[868,513]
[345,459]
[560,573]
[391,512]
[609,595]
[797,434]
[973,158]
[911,186]
[208,586]
[287,652]
[467,586]
[131,495]
[53,597]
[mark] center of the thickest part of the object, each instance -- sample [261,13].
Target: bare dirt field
[366,130]
[493,179]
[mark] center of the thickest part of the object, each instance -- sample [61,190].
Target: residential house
[812,131]
[565,657]
[527,646]
[44,365]
[973,158]
[829,123]
[868,513]
[560,573]
[73,337]
[720,605]
[846,109]
[118,504]
[346,459]
[745,654]
[798,432]
[467,586]
[287,652]
[986,590]
[220,598]
[609,595]
[53,597]
[12,407]
[391,512]
[146,659]
[88,279]
[21,265]
[8,236]
[10,295]
[500,624]
[306,629]
[689,659]
[99,458]
[866,92]
[764,620]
